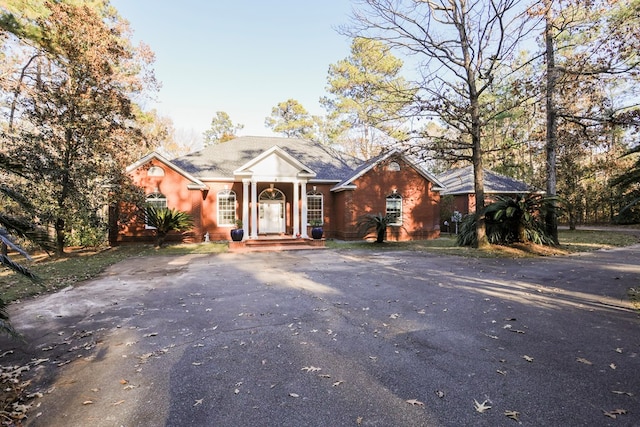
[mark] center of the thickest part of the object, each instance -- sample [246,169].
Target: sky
[241,57]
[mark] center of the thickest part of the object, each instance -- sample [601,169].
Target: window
[155,171]
[226,208]
[394,166]
[394,208]
[315,214]
[156,200]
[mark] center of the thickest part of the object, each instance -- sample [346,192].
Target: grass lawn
[570,241]
[80,265]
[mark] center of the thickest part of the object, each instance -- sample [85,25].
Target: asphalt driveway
[338,338]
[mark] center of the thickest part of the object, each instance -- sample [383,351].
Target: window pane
[314,208]
[155,200]
[394,208]
[226,208]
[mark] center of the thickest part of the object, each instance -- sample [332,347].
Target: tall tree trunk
[59,226]
[551,218]
[478,178]
[476,129]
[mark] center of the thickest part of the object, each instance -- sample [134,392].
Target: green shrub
[377,222]
[511,219]
[164,220]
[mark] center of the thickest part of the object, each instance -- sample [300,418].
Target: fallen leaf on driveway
[198,402]
[583,360]
[619,350]
[439,393]
[614,414]
[622,392]
[527,358]
[118,402]
[89,402]
[394,316]
[481,407]
[311,369]
[512,414]
[414,402]
[337,383]
[294,395]
[359,420]
[613,366]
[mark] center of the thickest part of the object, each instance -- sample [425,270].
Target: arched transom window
[271,194]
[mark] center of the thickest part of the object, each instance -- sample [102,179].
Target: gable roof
[460,181]
[223,159]
[283,158]
[195,182]
[347,183]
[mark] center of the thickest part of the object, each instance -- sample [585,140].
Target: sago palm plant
[164,220]
[377,222]
[512,219]
[16,212]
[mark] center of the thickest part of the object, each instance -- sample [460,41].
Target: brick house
[458,185]
[280,186]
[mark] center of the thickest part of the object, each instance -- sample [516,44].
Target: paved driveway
[339,338]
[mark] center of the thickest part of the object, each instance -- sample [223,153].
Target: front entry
[271,215]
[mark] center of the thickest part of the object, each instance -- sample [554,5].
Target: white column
[254,209]
[303,216]
[296,207]
[245,207]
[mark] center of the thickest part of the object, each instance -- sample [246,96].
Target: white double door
[271,217]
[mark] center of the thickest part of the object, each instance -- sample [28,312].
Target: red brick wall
[421,209]
[420,204]
[174,187]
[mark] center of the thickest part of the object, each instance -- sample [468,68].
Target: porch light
[314,188]
[270,187]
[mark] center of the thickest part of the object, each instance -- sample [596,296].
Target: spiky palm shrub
[512,219]
[16,213]
[165,220]
[377,222]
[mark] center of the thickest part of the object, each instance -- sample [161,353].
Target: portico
[266,182]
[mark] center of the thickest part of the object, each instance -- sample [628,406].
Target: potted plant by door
[237,233]
[316,229]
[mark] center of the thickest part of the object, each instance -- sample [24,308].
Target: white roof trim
[195,184]
[303,170]
[348,186]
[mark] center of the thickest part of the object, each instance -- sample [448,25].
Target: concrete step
[275,244]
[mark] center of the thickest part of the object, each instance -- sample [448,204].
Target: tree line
[545,92]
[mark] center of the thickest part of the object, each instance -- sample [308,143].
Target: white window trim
[321,197]
[394,197]
[154,197]
[226,194]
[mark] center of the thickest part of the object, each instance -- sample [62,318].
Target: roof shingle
[221,160]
